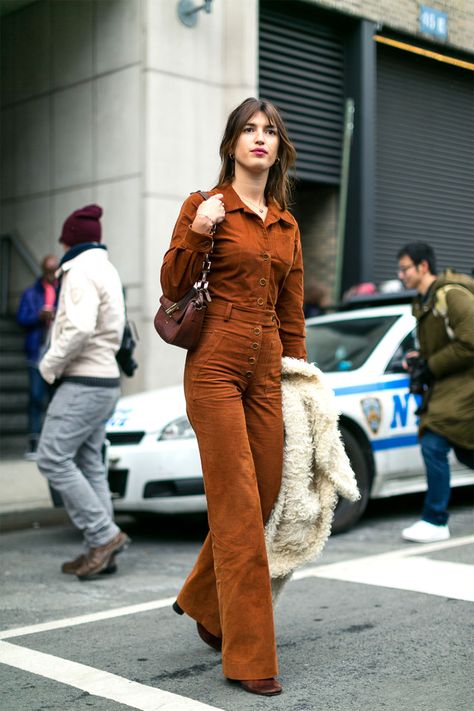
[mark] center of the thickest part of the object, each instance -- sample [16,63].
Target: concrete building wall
[117,102]
[403,16]
[71,87]
[193,78]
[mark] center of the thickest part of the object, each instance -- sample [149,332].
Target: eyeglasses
[402,270]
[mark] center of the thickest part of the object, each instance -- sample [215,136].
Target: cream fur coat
[316,471]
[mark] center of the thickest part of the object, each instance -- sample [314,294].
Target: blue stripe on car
[390,385]
[394,442]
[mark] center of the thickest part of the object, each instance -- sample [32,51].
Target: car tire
[347,513]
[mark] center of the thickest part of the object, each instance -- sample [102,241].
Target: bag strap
[203,282]
[201,287]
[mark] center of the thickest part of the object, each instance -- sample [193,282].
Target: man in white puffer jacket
[86,335]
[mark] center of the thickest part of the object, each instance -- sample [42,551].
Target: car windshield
[345,345]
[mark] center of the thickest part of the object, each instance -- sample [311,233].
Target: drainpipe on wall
[341,216]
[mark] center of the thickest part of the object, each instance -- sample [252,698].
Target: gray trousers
[70,456]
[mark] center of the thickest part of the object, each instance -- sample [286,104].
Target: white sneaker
[424,532]
[30,456]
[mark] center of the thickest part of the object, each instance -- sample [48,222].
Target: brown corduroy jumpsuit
[233,396]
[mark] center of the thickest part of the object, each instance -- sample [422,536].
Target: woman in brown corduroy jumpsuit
[232,381]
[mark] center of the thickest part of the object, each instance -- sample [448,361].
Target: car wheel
[347,513]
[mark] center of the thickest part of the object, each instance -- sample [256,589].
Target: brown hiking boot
[70,567]
[98,559]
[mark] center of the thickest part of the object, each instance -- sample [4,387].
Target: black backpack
[124,355]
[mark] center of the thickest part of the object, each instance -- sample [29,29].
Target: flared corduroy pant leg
[232,385]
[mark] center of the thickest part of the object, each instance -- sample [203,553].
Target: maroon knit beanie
[82,226]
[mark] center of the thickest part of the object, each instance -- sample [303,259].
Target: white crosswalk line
[84,619]
[405,569]
[424,575]
[321,571]
[97,682]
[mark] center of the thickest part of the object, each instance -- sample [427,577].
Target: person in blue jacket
[35,314]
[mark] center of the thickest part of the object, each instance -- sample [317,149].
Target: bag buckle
[171,309]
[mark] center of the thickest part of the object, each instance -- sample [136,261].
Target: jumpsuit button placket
[260,301]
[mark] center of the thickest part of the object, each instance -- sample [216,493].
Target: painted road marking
[97,682]
[335,570]
[433,577]
[83,619]
[405,569]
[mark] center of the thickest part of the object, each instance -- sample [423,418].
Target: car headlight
[178,429]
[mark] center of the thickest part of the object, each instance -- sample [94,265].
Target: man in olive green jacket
[444,309]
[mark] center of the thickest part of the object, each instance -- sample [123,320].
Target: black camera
[421,376]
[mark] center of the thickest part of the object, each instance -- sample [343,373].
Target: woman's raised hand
[209,213]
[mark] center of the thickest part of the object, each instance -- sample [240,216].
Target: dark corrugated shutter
[302,71]
[425,160]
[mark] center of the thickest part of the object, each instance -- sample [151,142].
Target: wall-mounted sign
[433,22]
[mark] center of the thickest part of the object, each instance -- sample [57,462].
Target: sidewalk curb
[32,518]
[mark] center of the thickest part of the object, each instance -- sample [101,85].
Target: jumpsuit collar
[233,203]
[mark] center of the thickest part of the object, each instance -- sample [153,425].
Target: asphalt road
[375,625]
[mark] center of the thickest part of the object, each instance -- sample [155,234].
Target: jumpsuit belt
[230,311]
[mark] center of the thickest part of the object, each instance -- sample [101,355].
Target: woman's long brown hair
[278,184]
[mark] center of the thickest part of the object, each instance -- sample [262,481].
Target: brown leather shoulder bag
[180,323]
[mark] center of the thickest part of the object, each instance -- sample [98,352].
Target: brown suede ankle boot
[262,687]
[208,638]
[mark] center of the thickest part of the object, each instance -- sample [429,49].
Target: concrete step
[13,423]
[13,445]
[10,341]
[12,336]
[14,380]
[8,323]
[10,329]
[12,361]
[13,387]
[14,401]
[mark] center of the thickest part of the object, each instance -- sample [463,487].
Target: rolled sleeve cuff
[197,242]
[294,348]
[433,366]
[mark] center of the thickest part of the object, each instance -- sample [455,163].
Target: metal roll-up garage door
[425,160]
[301,70]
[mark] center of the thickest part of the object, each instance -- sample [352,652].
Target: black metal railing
[10,244]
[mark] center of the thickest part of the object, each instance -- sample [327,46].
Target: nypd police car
[154,464]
